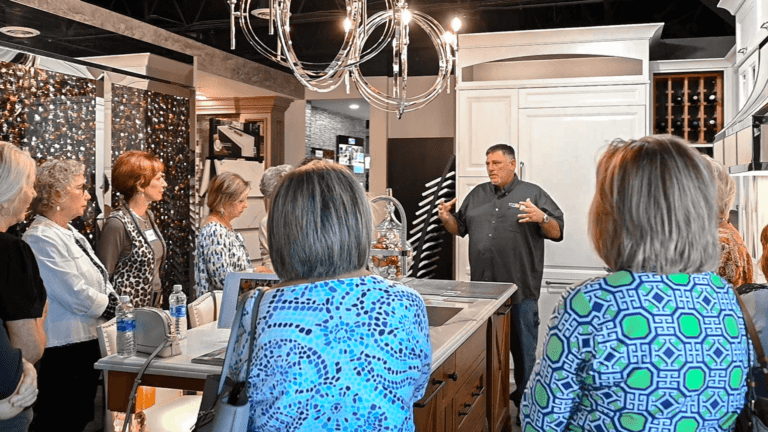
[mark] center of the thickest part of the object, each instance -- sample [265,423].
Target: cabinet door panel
[486,117]
[560,148]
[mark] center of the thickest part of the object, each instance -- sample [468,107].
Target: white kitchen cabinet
[488,117]
[559,148]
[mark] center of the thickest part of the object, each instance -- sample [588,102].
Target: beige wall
[437,119]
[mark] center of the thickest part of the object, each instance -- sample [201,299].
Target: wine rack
[689,105]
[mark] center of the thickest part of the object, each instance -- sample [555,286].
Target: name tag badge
[151,236]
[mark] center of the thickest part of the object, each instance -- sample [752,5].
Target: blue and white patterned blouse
[641,352]
[219,251]
[339,355]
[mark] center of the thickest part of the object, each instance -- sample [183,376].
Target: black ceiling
[317,32]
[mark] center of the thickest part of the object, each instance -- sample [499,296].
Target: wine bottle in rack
[661,125]
[694,124]
[677,126]
[710,96]
[694,98]
[710,122]
[677,97]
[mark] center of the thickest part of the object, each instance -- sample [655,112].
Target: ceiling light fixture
[19,32]
[358,27]
[354,106]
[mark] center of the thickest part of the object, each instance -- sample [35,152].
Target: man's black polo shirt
[501,249]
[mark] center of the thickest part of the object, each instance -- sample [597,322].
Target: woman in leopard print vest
[131,246]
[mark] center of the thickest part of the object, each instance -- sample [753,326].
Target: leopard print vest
[133,274]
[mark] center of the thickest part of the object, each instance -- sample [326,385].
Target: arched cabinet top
[558,54]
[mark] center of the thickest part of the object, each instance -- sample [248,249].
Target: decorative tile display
[159,124]
[52,115]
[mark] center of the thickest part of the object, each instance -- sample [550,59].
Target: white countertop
[201,340]
[448,337]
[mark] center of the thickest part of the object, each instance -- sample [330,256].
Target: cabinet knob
[742,51]
[466,413]
[454,376]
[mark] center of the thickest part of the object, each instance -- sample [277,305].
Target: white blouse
[77,291]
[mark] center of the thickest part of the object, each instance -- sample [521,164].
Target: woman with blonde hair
[735,261]
[221,250]
[23,304]
[131,245]
[659,343]
[81,298]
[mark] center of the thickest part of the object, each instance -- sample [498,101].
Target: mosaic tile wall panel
[159,124]
[52,115]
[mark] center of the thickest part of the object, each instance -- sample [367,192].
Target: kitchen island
[469,331]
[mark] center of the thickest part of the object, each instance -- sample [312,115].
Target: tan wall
[437,119]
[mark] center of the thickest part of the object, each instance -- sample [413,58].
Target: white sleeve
[63,282]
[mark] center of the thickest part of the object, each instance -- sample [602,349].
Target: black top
[10,365]
[22,293]
[501,249]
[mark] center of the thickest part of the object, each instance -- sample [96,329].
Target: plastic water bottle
[178,302]
[126,328]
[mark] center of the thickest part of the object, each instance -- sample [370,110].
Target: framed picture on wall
[229,139]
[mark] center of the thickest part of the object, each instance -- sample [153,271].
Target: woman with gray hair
[220,250]
[22,297]
[81,298]
[268,184]
[337,347]
[659,343]
[735,261]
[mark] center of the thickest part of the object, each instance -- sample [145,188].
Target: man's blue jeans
[523,338]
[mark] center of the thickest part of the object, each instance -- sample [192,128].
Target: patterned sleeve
[424,346]
[216,251]
[553,390]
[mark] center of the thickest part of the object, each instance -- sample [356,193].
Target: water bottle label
[125,325]
[179,311]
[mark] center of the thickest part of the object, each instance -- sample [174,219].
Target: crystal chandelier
[345,67]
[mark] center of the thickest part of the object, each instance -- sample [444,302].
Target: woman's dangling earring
[58,208]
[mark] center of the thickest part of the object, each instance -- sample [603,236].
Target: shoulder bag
[225,404]
[754,415]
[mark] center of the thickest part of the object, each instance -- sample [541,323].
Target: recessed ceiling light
[200,96]
[354,106]
[19,32]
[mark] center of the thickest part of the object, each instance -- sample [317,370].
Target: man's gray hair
[54,178]
[654,208]
[726,187]
[506,149]
[271,178]
[320,224]
[16,168]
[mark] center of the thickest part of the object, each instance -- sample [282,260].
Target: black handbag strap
[258,293]
[753,335]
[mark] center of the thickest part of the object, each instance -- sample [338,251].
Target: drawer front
[558,97]
[436,382]
[470,403]
[465,358]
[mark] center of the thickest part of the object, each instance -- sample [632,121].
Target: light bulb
[456,24]
[347,24]
[405,15]
[448,38]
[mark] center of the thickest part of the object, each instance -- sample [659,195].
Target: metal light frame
[345,67]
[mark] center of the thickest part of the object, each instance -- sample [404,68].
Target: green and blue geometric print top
[641,352]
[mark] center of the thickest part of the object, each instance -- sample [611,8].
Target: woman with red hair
[131,246]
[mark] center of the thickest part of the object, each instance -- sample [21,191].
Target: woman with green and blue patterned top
[659,344]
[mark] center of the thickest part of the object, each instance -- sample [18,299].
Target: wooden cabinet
[497,391]
[689,105]
[456,398]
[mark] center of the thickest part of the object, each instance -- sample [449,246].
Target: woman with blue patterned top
[221,250]
[660,344]
[336,347]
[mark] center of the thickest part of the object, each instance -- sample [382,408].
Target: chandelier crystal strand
[445,52]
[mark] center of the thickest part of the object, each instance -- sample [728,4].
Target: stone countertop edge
[447,338]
